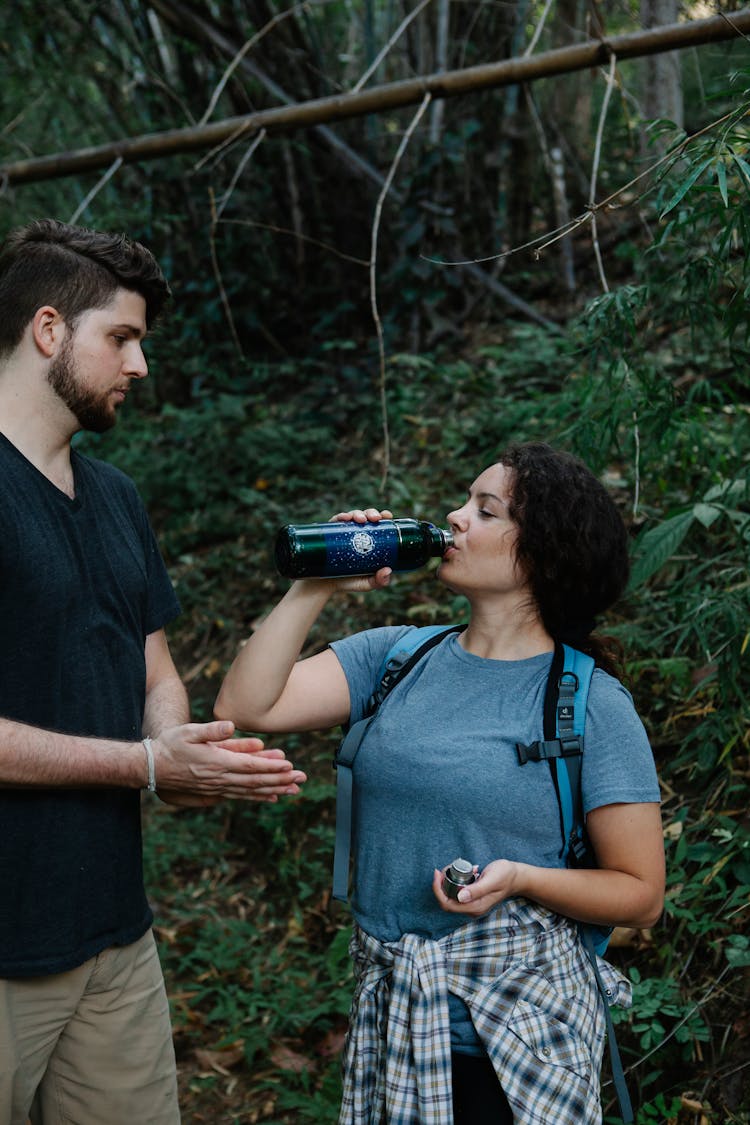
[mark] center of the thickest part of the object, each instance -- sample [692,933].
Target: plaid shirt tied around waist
[524,975]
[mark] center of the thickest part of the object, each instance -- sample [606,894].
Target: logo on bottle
[363,543]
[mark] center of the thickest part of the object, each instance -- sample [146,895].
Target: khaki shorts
[91,1046]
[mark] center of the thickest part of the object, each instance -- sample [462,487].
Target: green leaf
[686,185]
[730,491]
[744,168]
[721,176]
[706,513]
[658,545]
[738,951]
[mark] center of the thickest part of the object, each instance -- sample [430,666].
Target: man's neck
[37,432]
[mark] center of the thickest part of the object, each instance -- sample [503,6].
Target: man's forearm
[167,705]
[34,757]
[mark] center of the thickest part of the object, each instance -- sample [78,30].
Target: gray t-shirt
[437,775]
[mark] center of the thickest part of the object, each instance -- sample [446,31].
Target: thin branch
[238,172]
[550,237]
[25,112]
[222,147]
[538,29]
[95,190]
[204,31]
[595,169]
[602,275]
[247,46]
[373,279]
[217,274]
[391,42]
[553,163]
[733,25]
[302,237]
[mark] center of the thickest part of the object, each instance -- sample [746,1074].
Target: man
[92,707]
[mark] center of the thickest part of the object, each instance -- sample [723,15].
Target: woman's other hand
[496,883]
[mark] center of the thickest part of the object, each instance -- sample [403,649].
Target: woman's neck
[498,635]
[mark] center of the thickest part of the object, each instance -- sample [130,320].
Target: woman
[495,989]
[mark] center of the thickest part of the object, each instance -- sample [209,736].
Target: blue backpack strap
[570,721]
[399,660]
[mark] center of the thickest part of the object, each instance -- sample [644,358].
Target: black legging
[478,1097]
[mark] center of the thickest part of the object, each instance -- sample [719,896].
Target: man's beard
[91,408]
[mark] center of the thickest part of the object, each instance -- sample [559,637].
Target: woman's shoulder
[611,712]
[607,689]
[371,645]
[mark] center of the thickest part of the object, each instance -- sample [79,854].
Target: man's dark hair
[73,270]
[572,543]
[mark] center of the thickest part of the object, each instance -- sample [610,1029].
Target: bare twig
[95,190]
[391,42]
[538,29]
[222,147]
[302,237]
[248,46]
[238,172]
[726,16]
[602,275]
[217,274]
[595,169]
[373,278]
[544,240]
[202,30]
[553,162]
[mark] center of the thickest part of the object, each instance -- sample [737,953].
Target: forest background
[324,350]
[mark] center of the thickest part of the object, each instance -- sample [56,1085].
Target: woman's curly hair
[572,544]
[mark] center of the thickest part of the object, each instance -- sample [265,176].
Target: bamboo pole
[378,99]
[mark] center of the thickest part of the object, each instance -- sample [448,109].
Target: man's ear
[48,330]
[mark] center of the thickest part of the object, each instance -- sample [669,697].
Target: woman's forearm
[260,673]
[611,898]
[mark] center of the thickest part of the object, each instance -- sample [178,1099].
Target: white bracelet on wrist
[151,786]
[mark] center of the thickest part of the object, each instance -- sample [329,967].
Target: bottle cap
[461,871]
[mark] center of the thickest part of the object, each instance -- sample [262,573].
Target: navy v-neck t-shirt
[82,584]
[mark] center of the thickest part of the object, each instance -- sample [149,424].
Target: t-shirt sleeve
[618,764]
[164,604]
[361,655]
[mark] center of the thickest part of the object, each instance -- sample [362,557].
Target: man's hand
[199,764]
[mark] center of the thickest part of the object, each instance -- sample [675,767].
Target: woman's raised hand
[381,577]
[363,515]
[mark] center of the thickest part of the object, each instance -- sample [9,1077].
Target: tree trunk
[662,87]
